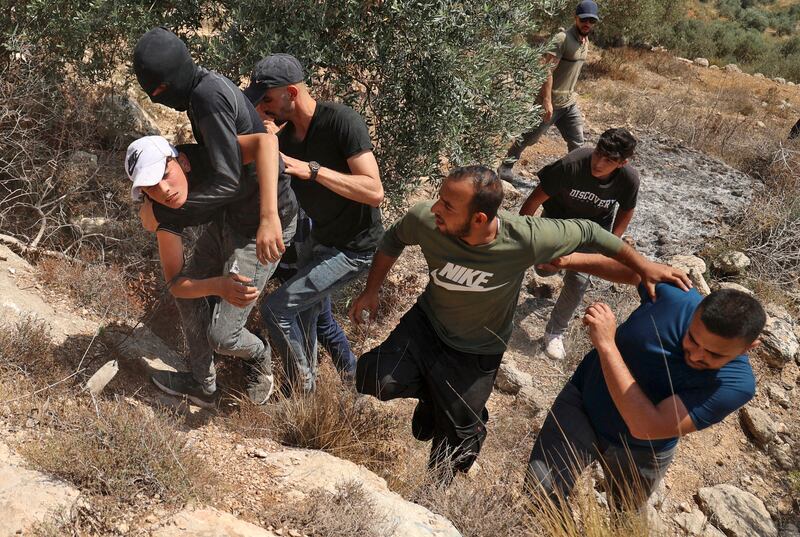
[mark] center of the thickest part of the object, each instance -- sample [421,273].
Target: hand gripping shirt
[473,290]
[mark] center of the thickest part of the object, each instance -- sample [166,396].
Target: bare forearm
[601,266]
[632,259]
[360,188]
[194,288]
[534,201]
[621,222]
[267,169]
[381,265]
[546,91]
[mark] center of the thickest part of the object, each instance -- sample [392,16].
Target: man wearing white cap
[216,290]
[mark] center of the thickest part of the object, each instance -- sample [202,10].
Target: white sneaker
[554,346]
[506,172]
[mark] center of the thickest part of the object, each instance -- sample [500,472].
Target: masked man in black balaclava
[218,111]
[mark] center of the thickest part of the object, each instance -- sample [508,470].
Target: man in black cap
[328,153]
[557,95]
[229,195]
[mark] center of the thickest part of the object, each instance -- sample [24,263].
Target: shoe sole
[269,394]
[199,402]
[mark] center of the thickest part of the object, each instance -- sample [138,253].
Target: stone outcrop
[28,497]
[208,522]
[736,512]
[758,424]
[779,342]
[302,471]
[121,121]
[511,379]
[731,263]
[702,62]
[694,267]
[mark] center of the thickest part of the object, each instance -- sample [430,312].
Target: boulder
[702,62]
[779,343]
[778,395]
[300,472]
[779,80]
[208,522]
[28,497]
[732,68]
[758,424]
[734,286]
[532,399]
[736,512]
[731,263]
[714,67]
[692,523]
[782,455]
[510,192]
[694,267]
[758,75]
[510,379]
[121,120]
[545,286]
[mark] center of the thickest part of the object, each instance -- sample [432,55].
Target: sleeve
[629,201]
[404,232]
[353,133]
[557,45]
[709,406]
[552,178]
[554,237]
[216,121]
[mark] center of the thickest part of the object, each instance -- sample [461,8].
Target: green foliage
[92,36]
[437,80]
[754,19]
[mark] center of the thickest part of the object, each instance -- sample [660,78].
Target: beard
[581,32]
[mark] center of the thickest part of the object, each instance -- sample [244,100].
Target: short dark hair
[618,144]
[732,314]
[488,188]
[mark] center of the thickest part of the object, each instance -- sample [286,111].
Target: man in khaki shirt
[557,95]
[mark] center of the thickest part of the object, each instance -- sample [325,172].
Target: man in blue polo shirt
[675,366]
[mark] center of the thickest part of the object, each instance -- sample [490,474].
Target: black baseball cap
[587,10]
[274,71]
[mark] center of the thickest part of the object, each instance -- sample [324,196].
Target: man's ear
[623,163]
[753,345]
[292,91]
[480,218]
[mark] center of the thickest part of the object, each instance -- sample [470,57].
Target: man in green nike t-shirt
[446,349]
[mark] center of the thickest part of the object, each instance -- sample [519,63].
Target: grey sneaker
[183,384]
[554,346]
[260,381]
[506,172]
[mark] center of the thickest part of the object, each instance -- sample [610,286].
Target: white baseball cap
[146,162]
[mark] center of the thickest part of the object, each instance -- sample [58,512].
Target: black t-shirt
[336,133]
[242,215]
[575,193]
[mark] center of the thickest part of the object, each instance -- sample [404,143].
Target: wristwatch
[314,167]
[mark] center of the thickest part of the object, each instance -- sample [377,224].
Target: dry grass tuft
[347,511]
[333,419]
[98,287]
[121,451]
[26,346]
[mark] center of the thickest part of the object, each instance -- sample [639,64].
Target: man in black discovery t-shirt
[328,153]
[587,183]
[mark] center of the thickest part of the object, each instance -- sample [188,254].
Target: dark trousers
[568,443]
[452,387]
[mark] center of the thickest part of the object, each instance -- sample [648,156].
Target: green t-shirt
[473,290]
[571,54]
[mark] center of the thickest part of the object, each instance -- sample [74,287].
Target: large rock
[510,379]
[782,455]
[779,342]
[121,120]
[702,62]
[732,263]
[758,424]
[694,267]
[28,497]
[300,472]
[208,522]
[732,68]
[736,512]
[532,399]
[735,287]
[692,523]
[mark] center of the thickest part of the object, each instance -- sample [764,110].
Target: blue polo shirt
[650,342]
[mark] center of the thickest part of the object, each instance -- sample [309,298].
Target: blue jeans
[211,324]
[569,123]
[291,312]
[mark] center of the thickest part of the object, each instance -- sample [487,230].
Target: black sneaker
[183,384]
[260,381]
[422,422]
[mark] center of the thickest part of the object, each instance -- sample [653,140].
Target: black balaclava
[160,57]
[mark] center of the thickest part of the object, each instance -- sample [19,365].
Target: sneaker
[183,384]
[422,423]
[260,381]
[506,172]
[554,346]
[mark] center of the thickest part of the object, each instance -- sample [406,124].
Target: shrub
[754,19]
[437,81]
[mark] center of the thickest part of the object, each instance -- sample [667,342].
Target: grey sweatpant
[569,123]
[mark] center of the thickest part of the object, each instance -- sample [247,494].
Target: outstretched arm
[646,421]
[368,300]
[534,201]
